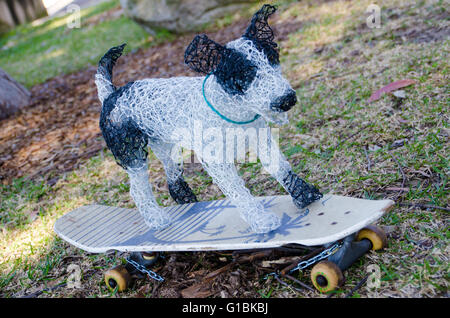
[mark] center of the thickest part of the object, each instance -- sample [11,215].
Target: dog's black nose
[284,103]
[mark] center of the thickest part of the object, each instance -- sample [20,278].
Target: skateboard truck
[138,264]
[327,275]
[350,251]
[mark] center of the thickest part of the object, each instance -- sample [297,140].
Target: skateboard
[342,224]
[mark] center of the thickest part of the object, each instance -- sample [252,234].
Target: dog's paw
[302,193]
[180,192]
[263,222]
[304,198]
[156,219]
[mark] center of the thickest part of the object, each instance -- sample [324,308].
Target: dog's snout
[285,102]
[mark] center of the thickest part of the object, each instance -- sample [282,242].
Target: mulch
[59,130]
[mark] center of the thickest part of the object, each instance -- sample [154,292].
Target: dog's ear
[234,72]
[203,55]
[262,35]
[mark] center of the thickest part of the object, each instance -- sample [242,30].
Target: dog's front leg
[170,156]
[253,212]
[142,194]
[273,160]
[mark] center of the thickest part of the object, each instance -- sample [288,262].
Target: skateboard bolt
[321,281]
[112,283]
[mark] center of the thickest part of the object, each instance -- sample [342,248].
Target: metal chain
[144,270]
[324,254]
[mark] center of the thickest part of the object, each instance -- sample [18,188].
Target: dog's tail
[103,78]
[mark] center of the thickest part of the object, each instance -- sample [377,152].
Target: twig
[156,287]
[423,206]
[201,290]
[286,284]
[358,286]
[287,269]
[369,163]
[39,292]
[87,153]
[400,168]
[50,289]
[299,282]
[397,189]
[352,135]
[402,172]
[252,257]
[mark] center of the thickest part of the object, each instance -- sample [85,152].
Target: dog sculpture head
[247,69]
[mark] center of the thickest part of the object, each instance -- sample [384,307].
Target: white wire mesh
[170,111]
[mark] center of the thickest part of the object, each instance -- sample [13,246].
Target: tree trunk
[15,12]
[13,96]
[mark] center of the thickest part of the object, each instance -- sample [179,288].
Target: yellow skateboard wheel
[117,277]
[326,276]
[149,256]
[375,235]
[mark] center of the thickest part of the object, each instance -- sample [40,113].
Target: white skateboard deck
[216,225]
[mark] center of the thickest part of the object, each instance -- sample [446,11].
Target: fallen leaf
[200,290]
[389,88]
[374,148]
[397,189]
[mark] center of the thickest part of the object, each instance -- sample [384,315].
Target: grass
[32,54]
[335,63]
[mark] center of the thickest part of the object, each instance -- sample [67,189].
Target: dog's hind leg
[252,211]
[128,143]
[170,156]
[142,194]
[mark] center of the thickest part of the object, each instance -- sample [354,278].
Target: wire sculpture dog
[242,87]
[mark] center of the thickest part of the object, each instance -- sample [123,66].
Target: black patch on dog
[234,72]
[110,102]
[260,33]
[302,192]
[203,55]
[180,191]
[125,139]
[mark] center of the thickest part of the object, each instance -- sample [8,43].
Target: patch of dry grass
[411,132]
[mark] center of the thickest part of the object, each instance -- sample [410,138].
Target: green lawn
[32,54]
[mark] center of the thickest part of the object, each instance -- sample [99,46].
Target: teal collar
[222,116]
